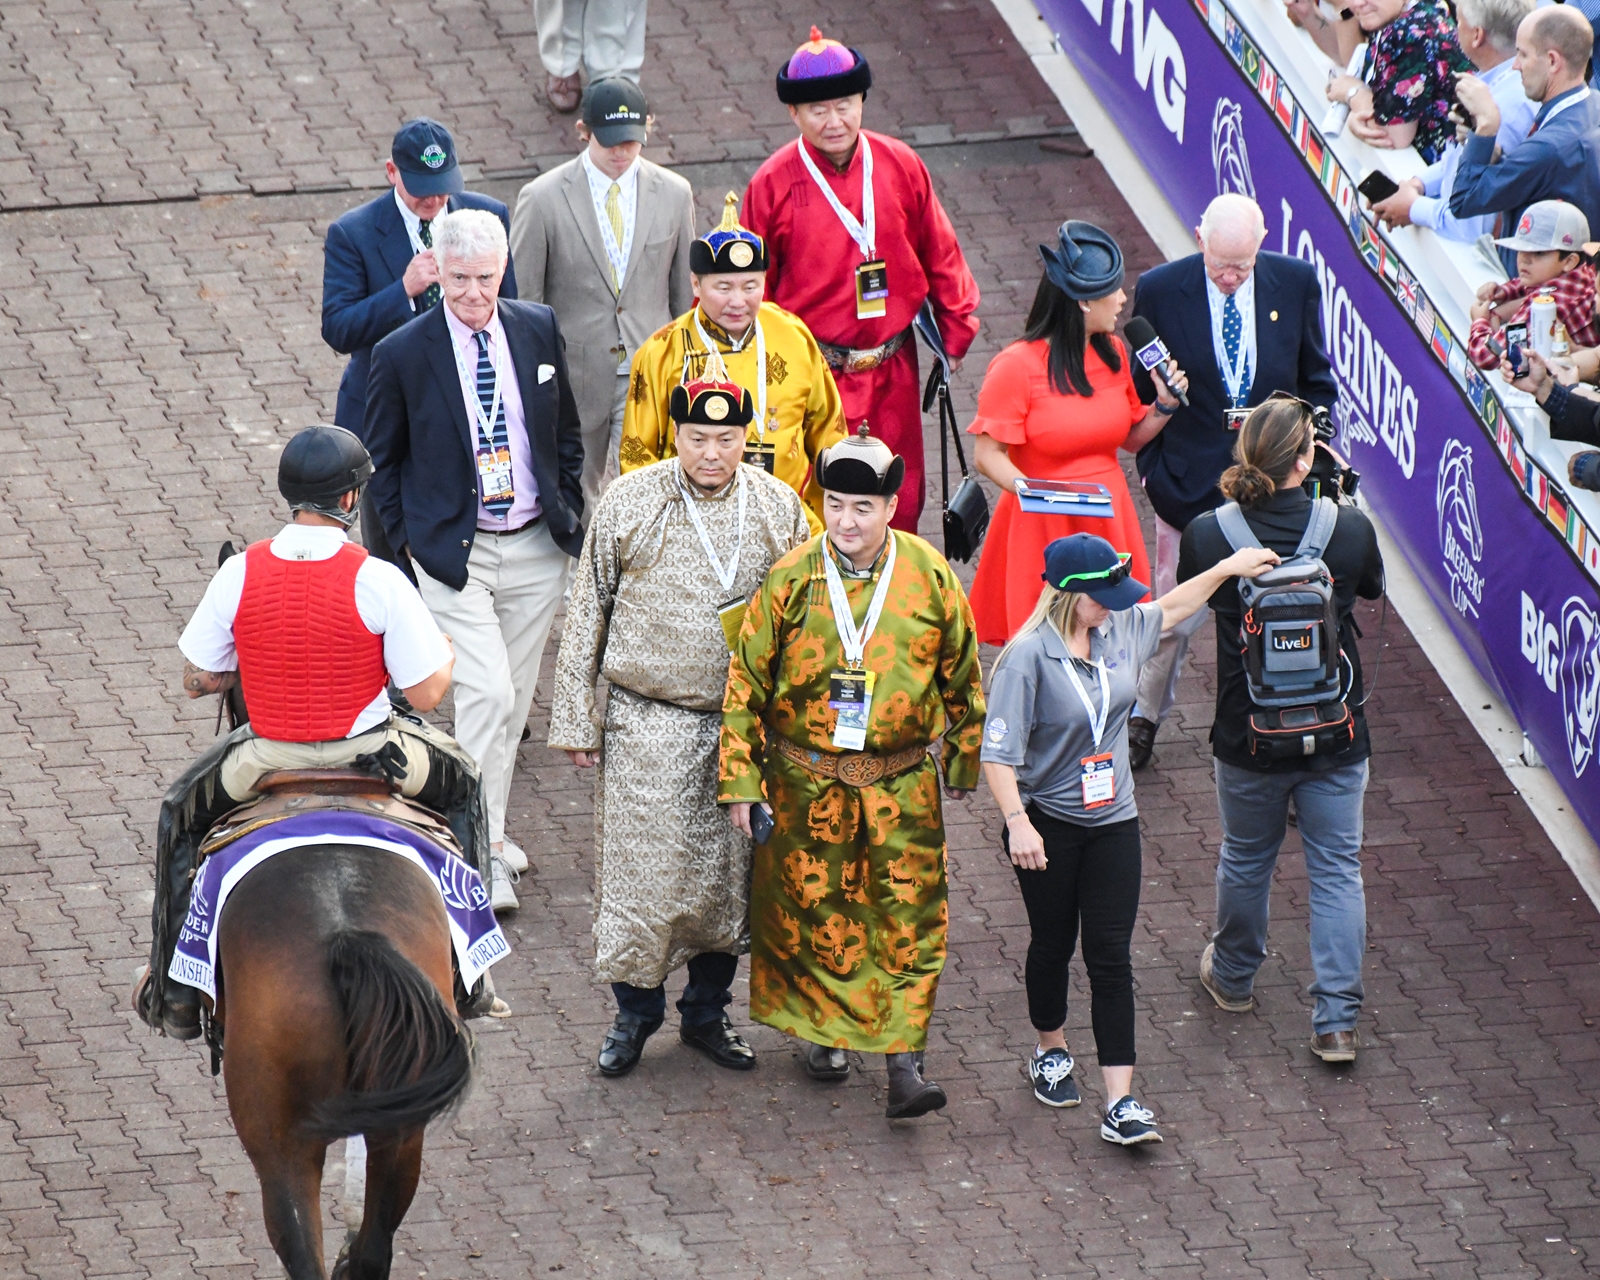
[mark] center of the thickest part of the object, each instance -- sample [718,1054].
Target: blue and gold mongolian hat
[730,247]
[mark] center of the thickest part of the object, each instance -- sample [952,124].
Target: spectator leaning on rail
[1574,415]
[1402,96]
[1560,160]
[1550,260]
[1487,33]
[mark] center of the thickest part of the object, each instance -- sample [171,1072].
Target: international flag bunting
[1577,535]
[1503,438]
[1331,175]
[1266,81]
[1538,487]
[1303,136]
[1286,108]
[1235,39]
[1477,389]
[1458,362]
[1405,289]
[1217,18]
[1425,318]
[1391,268]
[1518,460]
[1200,7]
[1252,63]
[1591,558]
[1345,196]
[1441,342]
[1555,511]
[1368,244]
[1315,156]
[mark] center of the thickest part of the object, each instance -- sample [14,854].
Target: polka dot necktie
[430,295]
[1232,335]
[500,439]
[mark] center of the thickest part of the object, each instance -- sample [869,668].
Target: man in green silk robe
[828,723]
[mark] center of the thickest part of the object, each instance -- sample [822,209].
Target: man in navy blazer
[1242,324]
[378,269]
[1561,158]
[477,456]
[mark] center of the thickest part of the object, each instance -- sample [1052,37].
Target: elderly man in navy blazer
[477,457]
[1243,324]
[378,269]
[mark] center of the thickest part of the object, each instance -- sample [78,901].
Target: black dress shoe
[1141,741]
[624,1044]
[720,1042]
[823,1062]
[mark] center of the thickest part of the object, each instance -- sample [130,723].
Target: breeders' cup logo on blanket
[1580,679]
[460,887]
[1460,534]
[1229,156]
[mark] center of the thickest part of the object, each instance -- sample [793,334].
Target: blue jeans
[1255,811]
[705,996]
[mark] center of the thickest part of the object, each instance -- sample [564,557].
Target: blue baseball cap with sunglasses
[1094,567]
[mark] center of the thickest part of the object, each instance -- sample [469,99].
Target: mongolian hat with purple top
[822,70]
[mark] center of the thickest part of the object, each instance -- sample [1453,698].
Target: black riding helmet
[319,466]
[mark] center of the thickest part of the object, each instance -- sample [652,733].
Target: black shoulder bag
[966,516]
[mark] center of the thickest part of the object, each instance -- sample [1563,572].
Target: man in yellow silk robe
[797,408]
[827,725]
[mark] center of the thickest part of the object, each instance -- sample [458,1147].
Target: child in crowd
[1550,260]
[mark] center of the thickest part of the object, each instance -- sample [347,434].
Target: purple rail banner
[1509,563]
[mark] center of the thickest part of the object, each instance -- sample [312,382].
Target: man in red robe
[857,240]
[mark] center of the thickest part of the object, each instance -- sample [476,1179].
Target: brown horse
[336,997]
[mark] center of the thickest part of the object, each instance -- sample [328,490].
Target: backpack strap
[1319,530]
[1235,528]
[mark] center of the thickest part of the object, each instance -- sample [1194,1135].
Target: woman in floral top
[1403,95]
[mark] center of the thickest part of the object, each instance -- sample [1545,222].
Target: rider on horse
[312,629]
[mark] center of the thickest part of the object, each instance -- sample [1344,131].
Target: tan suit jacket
[557,249]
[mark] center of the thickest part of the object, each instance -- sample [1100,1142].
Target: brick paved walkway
[153,357]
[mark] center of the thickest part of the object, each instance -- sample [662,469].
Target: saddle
[288,793]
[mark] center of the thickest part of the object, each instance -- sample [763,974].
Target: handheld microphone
[1149,350]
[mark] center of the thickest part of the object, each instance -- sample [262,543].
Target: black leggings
[1091,874]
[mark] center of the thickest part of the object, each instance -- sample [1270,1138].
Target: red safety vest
[307,662]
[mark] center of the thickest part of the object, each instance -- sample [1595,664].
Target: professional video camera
[1331,476]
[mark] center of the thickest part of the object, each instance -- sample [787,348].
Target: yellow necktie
[614,215]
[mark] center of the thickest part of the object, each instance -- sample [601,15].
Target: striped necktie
[430,295]
[500,439]
[614,216]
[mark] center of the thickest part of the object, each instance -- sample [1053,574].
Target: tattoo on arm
[198,683]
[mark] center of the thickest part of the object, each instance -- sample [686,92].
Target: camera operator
[1574,415]
[1276,450]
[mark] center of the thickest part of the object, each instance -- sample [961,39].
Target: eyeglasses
[1117,573]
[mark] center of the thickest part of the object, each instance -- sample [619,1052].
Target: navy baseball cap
[615,111]
[1093,566]
[425,154]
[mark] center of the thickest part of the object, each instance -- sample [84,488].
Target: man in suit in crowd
[378,270]
[1560,160]
[477,463]
[604,239]
[1244,324]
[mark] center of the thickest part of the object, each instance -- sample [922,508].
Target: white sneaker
[513,856]
[501,895]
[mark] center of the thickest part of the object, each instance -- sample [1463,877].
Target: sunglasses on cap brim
[1100,578]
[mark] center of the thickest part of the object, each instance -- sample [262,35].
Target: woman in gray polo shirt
[1055,755]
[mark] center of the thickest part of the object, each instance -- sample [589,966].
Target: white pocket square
[546,372]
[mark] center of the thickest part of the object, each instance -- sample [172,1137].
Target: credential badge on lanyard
[731,612]
[872,275]
[850,690]
[494,465]
[1099,773]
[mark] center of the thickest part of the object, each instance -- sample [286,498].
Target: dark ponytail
[1060,319]
[1270,443]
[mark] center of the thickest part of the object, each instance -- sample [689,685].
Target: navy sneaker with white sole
[1051,1073]
[1128,1124]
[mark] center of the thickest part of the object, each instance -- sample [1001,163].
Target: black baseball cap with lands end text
[615,111]
[425,154]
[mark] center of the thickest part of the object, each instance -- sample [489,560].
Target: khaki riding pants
[251,759]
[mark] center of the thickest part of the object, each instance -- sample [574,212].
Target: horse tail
[410,1056]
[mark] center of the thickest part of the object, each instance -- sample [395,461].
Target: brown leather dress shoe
[564,92]
[1141,741]
[1336,1046]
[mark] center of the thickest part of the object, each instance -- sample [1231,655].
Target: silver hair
[1499,18]
[1232,212]
[468,233]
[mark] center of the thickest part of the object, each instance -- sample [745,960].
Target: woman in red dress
[1057,406]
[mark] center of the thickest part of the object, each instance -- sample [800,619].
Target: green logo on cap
[434,156]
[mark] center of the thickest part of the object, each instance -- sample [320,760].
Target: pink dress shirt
[525,489]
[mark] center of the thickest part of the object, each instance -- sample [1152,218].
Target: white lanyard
[866,237]
[852,641]
[1097,724]
[726,576]
[614,253]
[1563,105]
[469,378]
[761,368]
[1234,376]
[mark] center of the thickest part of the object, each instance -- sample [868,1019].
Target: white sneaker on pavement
[513,856]
[501,895]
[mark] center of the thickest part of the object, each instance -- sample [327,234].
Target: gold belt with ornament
[853,768]
[851,360]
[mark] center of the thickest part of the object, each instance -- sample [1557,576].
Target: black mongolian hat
[729,247]
[861,466]
[713,399]
[1085,264]
[822,70]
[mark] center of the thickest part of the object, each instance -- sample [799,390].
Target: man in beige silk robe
[673,552]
